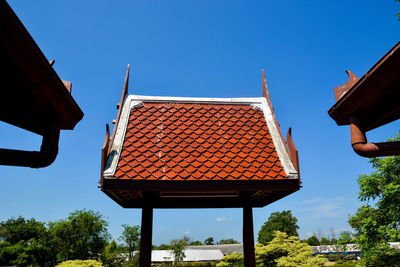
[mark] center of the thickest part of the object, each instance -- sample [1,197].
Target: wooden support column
[248,237]
[146,234]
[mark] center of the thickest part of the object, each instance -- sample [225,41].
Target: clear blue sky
[202,49]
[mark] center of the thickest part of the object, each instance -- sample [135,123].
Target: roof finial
[265,91]
[125,89]
[120,104]
[265,86]
[339,91]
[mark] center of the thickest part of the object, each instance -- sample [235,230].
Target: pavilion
[182,152]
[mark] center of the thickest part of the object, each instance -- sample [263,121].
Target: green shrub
[232,259]
[346,264]
[197,264]
[80,263]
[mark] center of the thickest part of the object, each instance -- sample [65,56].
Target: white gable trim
[287,164]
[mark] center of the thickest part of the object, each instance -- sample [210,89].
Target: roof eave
[373,98]
[20,47]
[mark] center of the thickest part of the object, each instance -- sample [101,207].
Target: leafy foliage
[30,243]
[131,238]
[313,241]
[209,241]
[228,241]
[25,242]
[83,236]
[286,251]
[195,243]
[232,259]
[177,247]
[80,263]
[278,221]
[325,241]
[378,220]
[112,255]
[163,247]
[345,238]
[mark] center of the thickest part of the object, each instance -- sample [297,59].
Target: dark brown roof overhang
[33,97]
[374,99]
[369,103]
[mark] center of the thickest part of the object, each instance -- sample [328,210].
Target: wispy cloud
[224,219]
[308,234]
[187,232]
[324,207]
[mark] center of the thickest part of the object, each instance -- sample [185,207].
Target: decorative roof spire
[339,91]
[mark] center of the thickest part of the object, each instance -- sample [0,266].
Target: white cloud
[308,234]
[324,207]
[187,232]
[224,219]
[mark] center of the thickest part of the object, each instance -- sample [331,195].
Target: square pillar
[248,237]
[146,234]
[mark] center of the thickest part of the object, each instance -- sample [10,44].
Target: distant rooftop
[226,248]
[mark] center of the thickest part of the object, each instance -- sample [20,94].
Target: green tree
[195,243]
[228,241]
[131,238]
[111,255]
[177,247]
[325,241]
[82,236]
[163,247]
[313,241]
[378,220]
[288,251]
[209,241]
[278,221]
[25,242]
[345,238]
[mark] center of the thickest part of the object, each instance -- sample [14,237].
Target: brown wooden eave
[374,99]
[197,194]
[32,93]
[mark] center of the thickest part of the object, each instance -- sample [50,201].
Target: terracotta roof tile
[173,141]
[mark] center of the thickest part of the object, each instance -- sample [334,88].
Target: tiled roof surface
[171,141]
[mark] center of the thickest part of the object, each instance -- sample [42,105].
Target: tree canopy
[378,220]
[209,241]
[25,242]
[325,241]
[131,238]
[227,241]
[313,241]
[177,246]
[83,235]
[278,221]
[288,251]
[195,243]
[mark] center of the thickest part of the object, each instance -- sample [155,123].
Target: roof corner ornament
[104,151]
[265,89]
[293,152]
[339,91]
[288,143]
[120,104]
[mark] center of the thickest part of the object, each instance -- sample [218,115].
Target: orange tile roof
[197,141]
